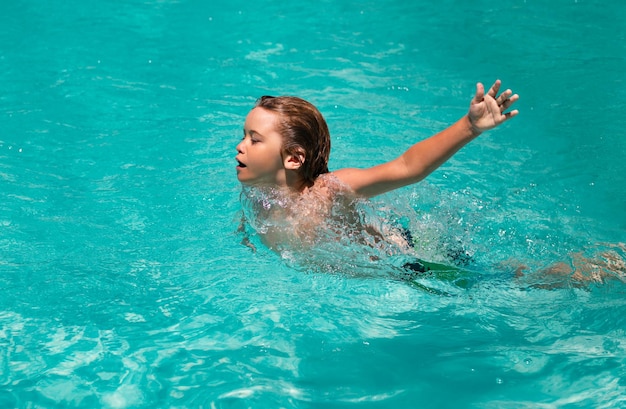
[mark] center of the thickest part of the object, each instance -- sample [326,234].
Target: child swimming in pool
[295,204]
[282,163]
[286,147]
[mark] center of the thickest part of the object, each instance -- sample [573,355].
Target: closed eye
[254,136]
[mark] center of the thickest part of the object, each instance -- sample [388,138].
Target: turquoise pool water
[123,283]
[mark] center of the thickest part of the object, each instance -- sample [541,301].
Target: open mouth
[240,164]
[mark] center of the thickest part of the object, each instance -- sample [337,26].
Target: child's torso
[326,212]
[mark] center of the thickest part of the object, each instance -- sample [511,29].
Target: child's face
[259,152]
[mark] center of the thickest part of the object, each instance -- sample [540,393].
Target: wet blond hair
[304,130]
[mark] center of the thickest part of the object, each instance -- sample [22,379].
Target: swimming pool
[123,280]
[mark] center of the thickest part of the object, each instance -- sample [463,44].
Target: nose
[239,146]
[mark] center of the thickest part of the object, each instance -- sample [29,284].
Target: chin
[245,181]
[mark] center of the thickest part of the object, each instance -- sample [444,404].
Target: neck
[294,182]
[290,182]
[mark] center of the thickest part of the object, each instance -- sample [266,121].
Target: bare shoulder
[348,177]
[330,184]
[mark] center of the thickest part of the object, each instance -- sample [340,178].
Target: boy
[293,199]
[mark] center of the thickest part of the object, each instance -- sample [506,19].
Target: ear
[293,161]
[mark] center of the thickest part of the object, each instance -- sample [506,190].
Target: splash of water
[347,234]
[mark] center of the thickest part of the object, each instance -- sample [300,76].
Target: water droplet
[499,381]
[528,361]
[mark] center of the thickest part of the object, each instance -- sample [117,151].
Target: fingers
[505,100]
[488,110]
[480,93]
[511,114]
[493,91]
[504,97]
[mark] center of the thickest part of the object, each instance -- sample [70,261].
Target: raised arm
[486,112]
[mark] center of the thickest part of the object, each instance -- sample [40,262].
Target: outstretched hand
[487,110]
